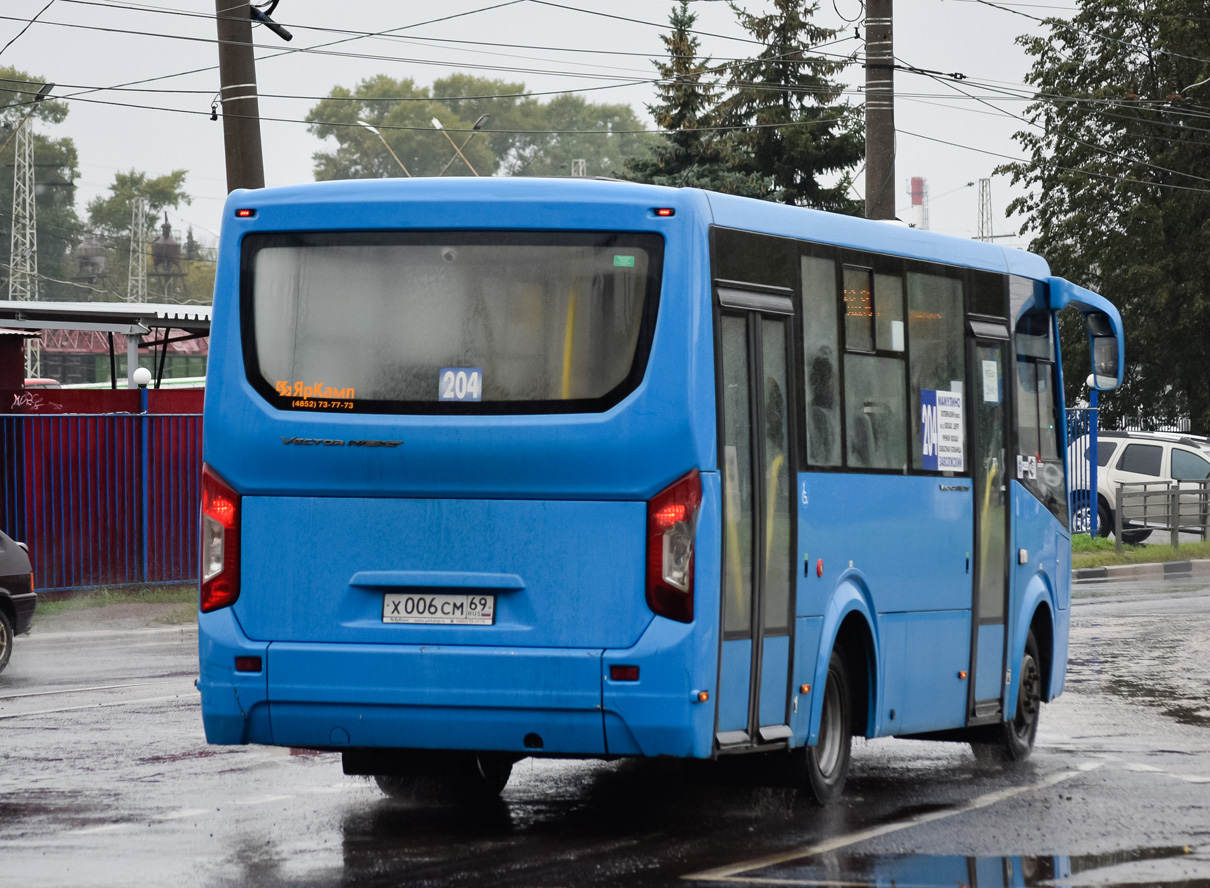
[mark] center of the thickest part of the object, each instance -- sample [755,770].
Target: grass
[1100,552]
[182,595]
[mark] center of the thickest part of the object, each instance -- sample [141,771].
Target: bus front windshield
[479,321]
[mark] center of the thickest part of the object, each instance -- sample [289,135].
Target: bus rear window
[461,322]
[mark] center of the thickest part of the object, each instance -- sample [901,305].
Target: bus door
[987,350]
[757,469]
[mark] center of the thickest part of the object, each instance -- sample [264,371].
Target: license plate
[460,610]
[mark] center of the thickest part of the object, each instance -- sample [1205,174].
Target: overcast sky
[87,47]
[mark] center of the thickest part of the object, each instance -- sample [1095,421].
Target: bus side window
[937,338]
[820,352]
[1039,468]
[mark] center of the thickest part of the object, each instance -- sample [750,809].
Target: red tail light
[671,529]
[220,543]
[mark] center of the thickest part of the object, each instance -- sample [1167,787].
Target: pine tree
[796,132]
[692,153]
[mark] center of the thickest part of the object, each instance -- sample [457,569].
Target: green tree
[797,133]
[572,128]
[56,170]
[518,135]
[110,215]
[690,153]
[403,114]
[1119,193]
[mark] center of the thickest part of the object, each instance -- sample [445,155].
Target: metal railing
[1082,469]
[1173,506]
[103,500]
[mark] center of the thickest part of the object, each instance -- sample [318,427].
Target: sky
[952,133]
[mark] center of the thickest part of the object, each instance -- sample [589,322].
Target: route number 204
[461,384]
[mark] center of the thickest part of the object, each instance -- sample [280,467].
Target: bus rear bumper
[527,701]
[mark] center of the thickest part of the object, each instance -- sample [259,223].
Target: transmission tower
[136,286]
[985,210]
[23,270]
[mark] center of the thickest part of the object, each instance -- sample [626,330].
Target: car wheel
[1135,535]
[6,639]
[826,764]
[1104,520]
[1013,741]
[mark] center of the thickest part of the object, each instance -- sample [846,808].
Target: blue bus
[499,468]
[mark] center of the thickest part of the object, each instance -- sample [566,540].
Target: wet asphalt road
[106,780]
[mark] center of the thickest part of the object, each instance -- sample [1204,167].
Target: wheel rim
[1029,697]
[827,751]
[4,639]
[1081,521]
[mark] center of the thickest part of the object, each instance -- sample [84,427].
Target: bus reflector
[220,543]
[247,664]
[623,673]
[671,529]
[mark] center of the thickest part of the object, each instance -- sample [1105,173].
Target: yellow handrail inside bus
[568,338]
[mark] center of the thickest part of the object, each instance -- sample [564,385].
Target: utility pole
[879,110]
[136,282]
[23,262]
[241,110]
[985,211]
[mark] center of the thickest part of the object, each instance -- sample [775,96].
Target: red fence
[107,497]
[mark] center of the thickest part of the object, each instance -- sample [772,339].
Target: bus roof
[721,209]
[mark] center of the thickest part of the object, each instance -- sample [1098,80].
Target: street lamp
[437,123]
[376,132]
[474,129]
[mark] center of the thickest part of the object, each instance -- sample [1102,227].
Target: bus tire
[826,764]
[1013,740]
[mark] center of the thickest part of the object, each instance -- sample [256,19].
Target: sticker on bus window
[941,430]
[460,384]
[623,261]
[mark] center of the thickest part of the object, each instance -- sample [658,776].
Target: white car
[1129,457]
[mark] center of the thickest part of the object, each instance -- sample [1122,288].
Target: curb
[1162,570]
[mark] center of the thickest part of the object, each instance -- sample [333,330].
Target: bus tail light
[671,528]
[220,543]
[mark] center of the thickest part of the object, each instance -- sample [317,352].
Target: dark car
[17,596]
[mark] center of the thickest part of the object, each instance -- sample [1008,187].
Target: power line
[28,25]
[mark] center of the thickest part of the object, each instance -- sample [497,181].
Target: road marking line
[1149,769]
[186,812]
[184,629]
[728,873]
[189,698]
[264,800]
[140,684]
[109,827]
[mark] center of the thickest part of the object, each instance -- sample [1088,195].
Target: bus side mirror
[1106,350]
[1105,342]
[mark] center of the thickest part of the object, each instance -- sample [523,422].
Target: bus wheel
[1015,739]
[827,762]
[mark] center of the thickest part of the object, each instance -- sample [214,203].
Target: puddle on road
[1119,869]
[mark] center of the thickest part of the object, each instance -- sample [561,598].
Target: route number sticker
[460,384]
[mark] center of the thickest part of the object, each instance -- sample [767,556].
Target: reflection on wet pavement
[1117,868]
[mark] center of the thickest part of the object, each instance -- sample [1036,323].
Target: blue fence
[1082,468]
[103,500]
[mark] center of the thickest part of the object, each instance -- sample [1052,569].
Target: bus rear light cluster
[220,543]
[671,529]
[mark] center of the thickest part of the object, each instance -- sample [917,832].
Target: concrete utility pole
[241,111]
[879,110]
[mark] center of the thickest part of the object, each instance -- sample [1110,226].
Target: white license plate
[461,610]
